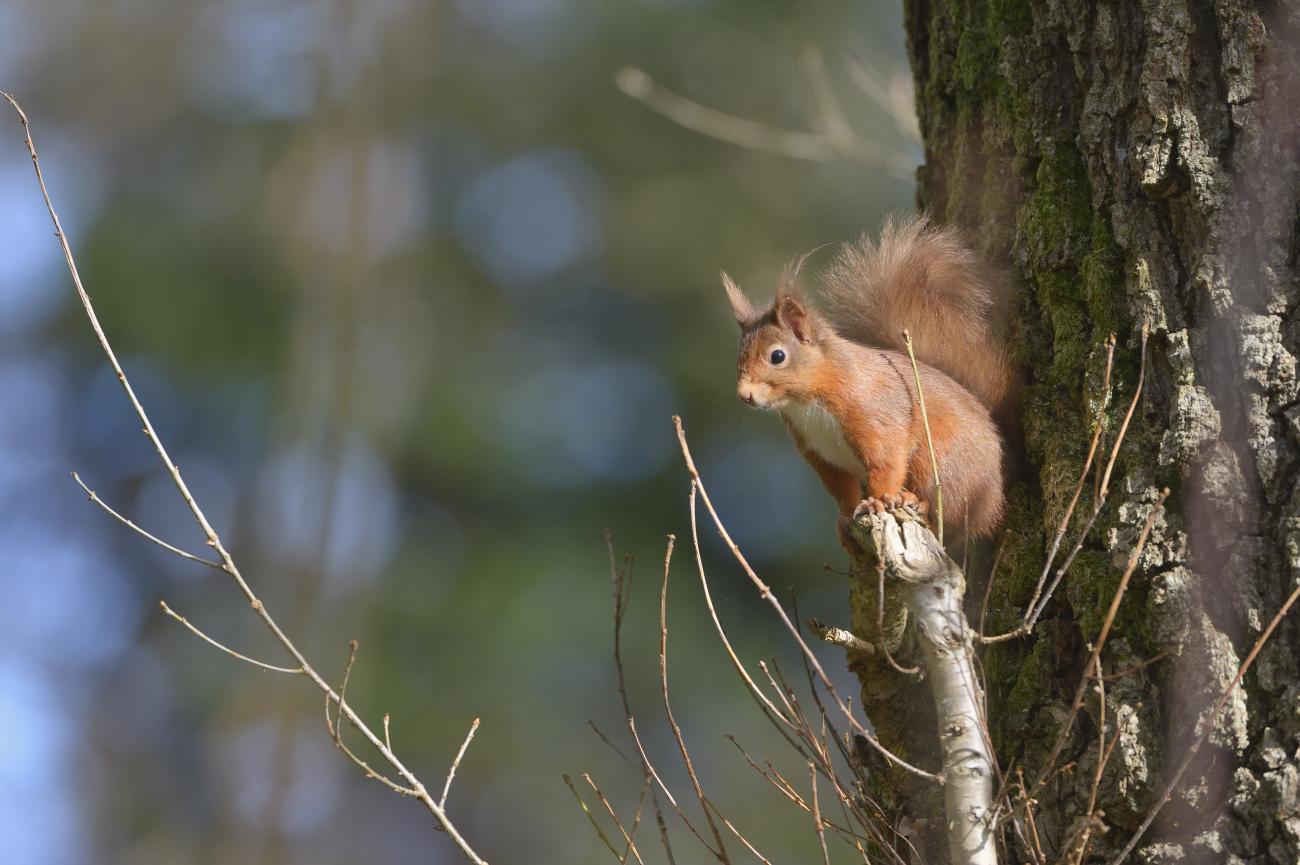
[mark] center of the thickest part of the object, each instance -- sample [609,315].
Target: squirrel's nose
[746,395]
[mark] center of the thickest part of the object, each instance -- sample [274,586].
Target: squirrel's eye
[778,357]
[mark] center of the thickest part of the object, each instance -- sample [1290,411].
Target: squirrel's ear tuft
[740,305]
[793,315]
[791,308]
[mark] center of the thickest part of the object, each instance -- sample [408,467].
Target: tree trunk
[1135,163]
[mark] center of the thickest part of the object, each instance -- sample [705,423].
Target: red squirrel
[846,391]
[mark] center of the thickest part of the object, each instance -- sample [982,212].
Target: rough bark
[1131,163]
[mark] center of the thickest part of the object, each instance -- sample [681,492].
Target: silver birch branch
[933,589]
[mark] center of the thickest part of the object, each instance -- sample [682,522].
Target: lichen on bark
[1127,164]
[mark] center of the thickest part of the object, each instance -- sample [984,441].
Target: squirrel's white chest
[821,434]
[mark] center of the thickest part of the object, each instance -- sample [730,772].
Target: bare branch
[765,592]
[213,540]
[460,755]
[595,824]
[668,709]
[645,760]
[929,439]
[335,730]
[840,637]
[627,836]
[1039,600]
[1081,689]
[779,785]
[790,143]
[988,586]
[94,497]
[621,581]
[1134,668]
[1206,726]
[353,645]
[229,651]
[895,98]
[817,816]
[646,786]
[1097,428]
[743,840]
[601,735]
[783,724]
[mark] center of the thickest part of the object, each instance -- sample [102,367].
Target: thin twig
[765,592]
[830,732]
[229,651]
[779,785]
[668,709]
[1029,803]
[335,730]
[668,794]
[790,710]
[94,497]
[988,586]
[353,645]
[790,143]
[460,755]
[595,824]
[1090,819]
[1128,416]
[1039,600]
[794,797]
[1134,668]
[621,581]
[777,780]
[1097,427]
[770,711]
[1079,691]
[817,816]
[743,840]
[627,836]
[601,735]
[1105,483]
[647,786]
[212,538]
[1093,817]
[929,439]
[1207,725]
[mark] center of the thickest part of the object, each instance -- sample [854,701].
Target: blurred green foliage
[415,290]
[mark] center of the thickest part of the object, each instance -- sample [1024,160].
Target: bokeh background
[411,291]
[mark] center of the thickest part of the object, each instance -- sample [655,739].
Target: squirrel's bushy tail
[925,278]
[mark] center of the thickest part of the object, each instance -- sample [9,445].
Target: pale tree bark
[1132,163]
[931,588]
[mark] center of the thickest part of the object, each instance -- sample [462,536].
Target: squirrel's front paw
[871,506]
[891,502]
[911,501]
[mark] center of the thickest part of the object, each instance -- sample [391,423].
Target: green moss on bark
[1012,174]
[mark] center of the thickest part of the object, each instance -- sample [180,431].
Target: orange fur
[849,397]
[925,278]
